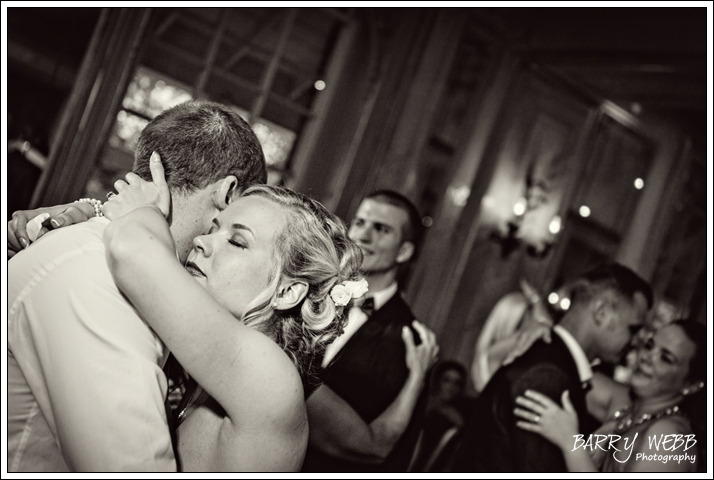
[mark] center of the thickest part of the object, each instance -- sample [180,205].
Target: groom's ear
[291,293]
[226,192]
[604,311]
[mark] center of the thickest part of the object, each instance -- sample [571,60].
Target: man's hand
[420,357]
[59,216]
[135,192]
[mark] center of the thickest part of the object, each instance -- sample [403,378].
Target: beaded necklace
[626,424]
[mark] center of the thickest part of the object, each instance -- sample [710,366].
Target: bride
[275,260]
[248,317]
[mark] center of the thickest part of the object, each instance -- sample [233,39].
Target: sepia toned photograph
[333,238]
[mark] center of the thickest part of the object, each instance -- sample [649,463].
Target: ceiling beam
[212,52]
[301,89]
[231,77]
[343,17]
[245,47]
[666,101]
[619,61]
[270,72]
[260,28]
[166,24]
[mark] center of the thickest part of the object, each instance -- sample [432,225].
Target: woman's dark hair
[697,333]
[694,406]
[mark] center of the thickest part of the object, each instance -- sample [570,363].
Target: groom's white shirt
[86,389]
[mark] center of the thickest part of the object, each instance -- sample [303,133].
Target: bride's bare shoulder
[267,428]
[267,382]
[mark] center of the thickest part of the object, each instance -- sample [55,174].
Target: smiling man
[352,423]
[387,228]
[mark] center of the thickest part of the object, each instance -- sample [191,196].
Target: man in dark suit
[608,305]
[368,413]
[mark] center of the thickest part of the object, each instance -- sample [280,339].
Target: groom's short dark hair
[201,142]
[613,276]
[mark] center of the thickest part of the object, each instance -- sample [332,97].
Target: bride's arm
[336,428]
[205,338]
[245,371]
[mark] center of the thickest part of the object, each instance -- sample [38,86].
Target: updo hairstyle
[313,247]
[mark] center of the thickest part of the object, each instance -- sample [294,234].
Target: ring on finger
[110,195]
[536,418]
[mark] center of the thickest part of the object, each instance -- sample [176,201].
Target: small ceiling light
[584,211]
[555,225]
[553,298]
[520,207]
[565,303]
[319,85]
[636,108]
[639,183]
[427,221]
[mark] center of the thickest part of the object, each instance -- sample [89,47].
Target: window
[277,143]
[149,94]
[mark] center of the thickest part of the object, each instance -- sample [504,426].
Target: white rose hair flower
[343,292]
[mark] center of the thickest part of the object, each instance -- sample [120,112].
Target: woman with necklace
[664,396]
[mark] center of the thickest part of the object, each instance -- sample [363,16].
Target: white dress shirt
[585,371]
[86,388]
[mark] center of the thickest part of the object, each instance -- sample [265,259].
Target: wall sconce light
[533,225]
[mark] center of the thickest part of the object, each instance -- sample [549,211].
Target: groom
[86,389]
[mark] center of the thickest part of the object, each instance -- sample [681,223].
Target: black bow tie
[368,306]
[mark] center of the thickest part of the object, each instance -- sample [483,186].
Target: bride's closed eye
[238,242]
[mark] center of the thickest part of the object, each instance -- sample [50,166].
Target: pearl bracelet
[96,204]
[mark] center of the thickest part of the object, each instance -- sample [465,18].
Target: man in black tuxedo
[608,305]
[368,413]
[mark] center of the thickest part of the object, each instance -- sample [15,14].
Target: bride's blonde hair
[313,247]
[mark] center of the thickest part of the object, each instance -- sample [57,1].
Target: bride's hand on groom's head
[135,192]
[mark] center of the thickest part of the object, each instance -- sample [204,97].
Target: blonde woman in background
[515,322]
